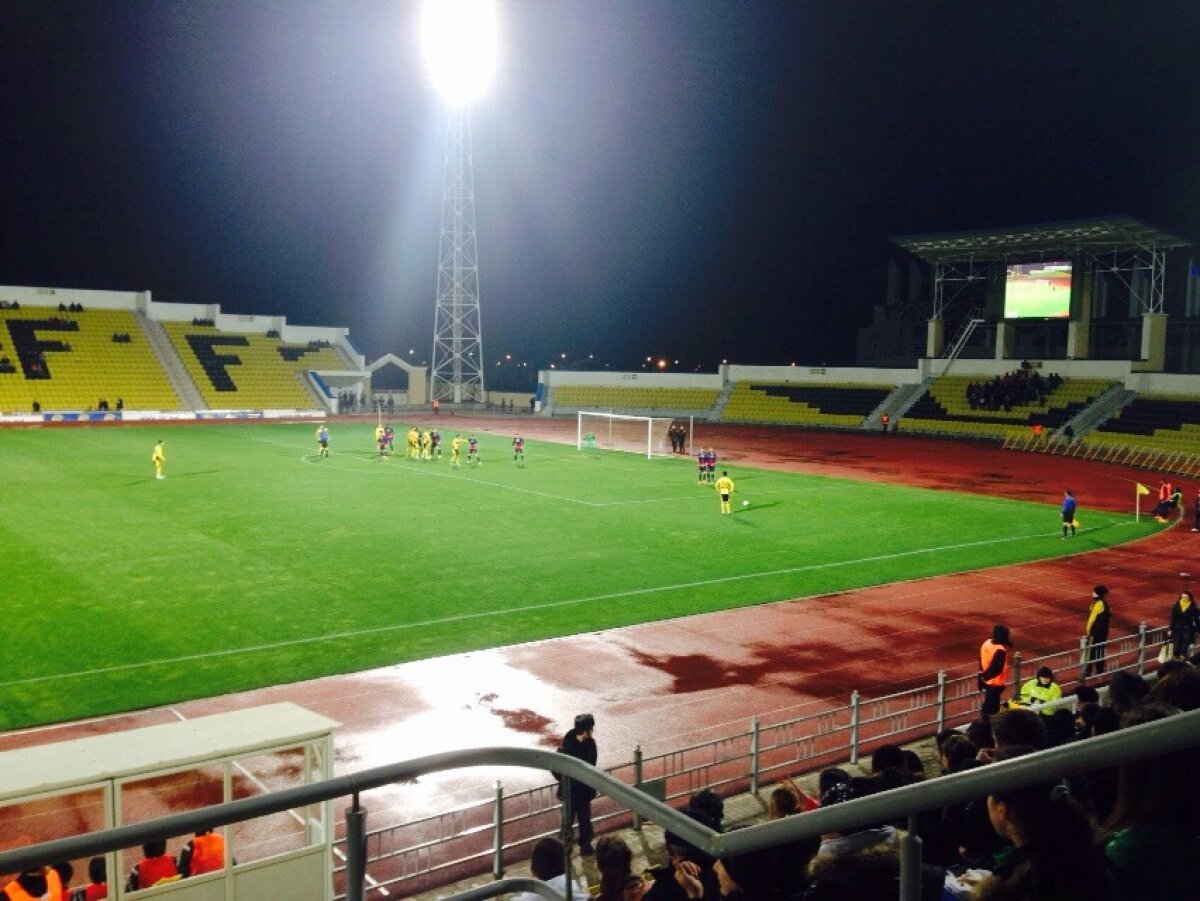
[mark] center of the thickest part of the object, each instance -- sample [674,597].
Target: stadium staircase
[897,403]
[717,413]
[170,363]
[974,320]
[1102,408]
[1159,421]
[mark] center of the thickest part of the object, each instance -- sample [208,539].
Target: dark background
[693,180]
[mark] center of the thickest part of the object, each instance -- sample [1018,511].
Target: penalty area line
[528,608]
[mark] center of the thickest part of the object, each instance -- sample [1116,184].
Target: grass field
[255,563]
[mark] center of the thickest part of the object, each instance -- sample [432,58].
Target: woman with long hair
[1149,839]
[1054,855]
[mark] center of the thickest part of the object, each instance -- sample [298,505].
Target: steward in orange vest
[35,884]
[203,854]
[993,668]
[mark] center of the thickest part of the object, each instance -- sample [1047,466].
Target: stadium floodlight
[458,42]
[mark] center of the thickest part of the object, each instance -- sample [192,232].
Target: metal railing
[1154,739]
[1158,460]
[415,854]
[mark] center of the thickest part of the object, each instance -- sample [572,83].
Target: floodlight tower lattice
[457,374]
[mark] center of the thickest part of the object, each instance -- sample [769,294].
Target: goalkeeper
[725,488]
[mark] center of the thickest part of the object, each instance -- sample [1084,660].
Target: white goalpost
[636,434]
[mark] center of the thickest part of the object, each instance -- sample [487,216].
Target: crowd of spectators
[197,320]
[1018,388]
[10,305]
[70,308]
[122,338]
[1128,833]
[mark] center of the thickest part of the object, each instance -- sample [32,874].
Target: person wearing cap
[1099,617]
[993,668]
[580,744]
[1042,689]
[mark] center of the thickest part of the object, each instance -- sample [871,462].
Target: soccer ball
[745,503]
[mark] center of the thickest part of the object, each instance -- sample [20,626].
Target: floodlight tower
[459,38]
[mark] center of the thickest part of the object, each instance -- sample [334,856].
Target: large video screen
[1037,291]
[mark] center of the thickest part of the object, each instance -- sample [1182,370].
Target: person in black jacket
[578,743]
[1185,623]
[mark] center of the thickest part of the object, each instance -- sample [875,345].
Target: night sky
[695,180]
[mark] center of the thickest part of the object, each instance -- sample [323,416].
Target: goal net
[616,431]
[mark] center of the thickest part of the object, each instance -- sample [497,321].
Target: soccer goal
[637,434]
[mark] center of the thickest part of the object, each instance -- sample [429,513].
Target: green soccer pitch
[254,563]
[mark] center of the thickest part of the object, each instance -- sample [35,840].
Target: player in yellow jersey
[456,447]
[157,459]
[725,488]
[414,443]
[426,445]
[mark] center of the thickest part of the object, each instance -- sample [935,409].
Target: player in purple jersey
[701,465]
[518,449]
[710,467]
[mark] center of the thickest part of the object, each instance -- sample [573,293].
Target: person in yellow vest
[205,853]
[34,884]
[725,488]
[426,445]
[157,459]
[456,447]
[414,443]
[993,668]
[1042,689]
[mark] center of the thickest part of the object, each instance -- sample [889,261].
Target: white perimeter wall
[860,375]
[52,297]
[556,378]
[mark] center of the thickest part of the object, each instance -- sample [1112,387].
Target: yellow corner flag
[1142,489]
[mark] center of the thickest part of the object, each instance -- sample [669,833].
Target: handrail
[1153,739]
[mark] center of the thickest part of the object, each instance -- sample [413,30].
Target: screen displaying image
[1037,291]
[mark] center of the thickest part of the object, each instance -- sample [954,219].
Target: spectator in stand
[979,733]
[1184,623]
[1017,728]
[861,864]
[614,860]
[1150,839]
[956,751]
[35,882]
[887,757]
[546,862]
[1085,694]
[1096,630]
[1054,856]
[97,887]
[687,865]
[155,867]
[205,853]
[1125,691]
[993,668]
[913,765]
[1180,688]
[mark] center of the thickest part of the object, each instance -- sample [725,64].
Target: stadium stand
[1163,422]
[588,397]
[248,371]
[73,360]
[815,405]
[946,410]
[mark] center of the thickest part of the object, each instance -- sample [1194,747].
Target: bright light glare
[458,39]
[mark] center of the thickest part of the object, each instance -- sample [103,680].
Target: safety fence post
[356,850]
[854,714]
[1141,649]
[941,700]
[754,756]
[498,833]
[637,782]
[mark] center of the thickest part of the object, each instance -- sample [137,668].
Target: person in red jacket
[97,887]
[157,866]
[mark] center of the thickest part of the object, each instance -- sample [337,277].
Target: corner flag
[1137,498]
[1142,489]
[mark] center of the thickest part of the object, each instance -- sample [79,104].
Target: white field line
[485,614]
